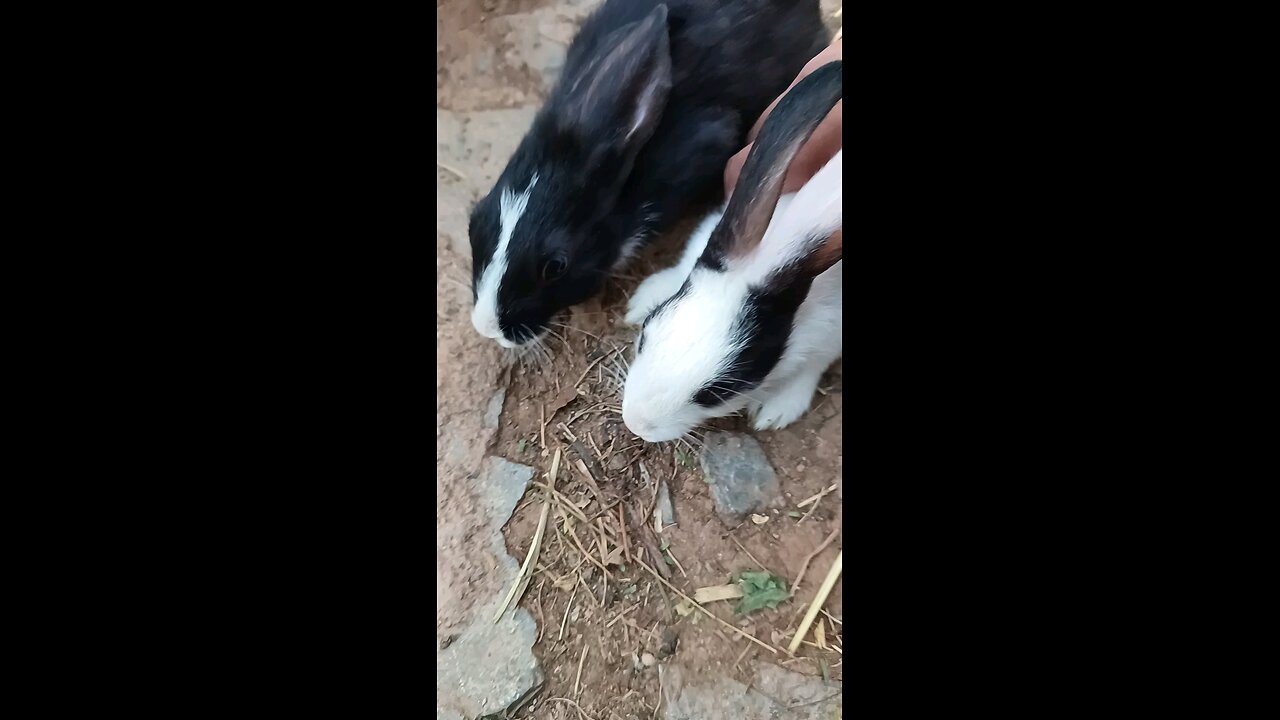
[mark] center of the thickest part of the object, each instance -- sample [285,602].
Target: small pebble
[648,659]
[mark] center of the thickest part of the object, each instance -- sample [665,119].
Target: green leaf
[629,590]
[794,514]
[520,445]
[684,457]
[760,590]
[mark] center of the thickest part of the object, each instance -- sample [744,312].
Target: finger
[820,148]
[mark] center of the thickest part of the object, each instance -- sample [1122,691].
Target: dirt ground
[495,62]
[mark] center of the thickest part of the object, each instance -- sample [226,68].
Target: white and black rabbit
[654,98]
[751,316]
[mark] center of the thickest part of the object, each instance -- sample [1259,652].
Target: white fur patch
[484,316]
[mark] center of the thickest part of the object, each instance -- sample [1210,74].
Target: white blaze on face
[485,314]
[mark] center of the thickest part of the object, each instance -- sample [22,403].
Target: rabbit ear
[755,197]
[812,235]
[619,98]
[826,254]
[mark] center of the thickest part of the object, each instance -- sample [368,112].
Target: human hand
[821,146]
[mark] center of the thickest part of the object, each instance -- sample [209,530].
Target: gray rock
[489,667]
[498,489]
[486,667]
[739,475]
[782,694]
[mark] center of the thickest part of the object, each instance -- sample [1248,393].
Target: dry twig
[815,500]
[748,552]
[821,597]
[591,481]
[572,595]
[450,169]
[577,682]
[817,497]
[583,376]
[805,567]
[622,528]
[676,560]
[567,433]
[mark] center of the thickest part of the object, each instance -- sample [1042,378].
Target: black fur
[762,333]
[605,176]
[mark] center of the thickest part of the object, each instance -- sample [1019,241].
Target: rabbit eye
[553,269]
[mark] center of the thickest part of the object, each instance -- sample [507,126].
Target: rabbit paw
[652,292]
[784,406]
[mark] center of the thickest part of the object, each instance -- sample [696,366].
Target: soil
[495,62]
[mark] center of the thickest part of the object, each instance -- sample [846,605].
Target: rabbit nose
[636,424]
[487,325]
[644,429]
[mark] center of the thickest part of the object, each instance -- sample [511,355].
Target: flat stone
[791,696]
[489,667]
[499,488]
[486,667]
[739,475]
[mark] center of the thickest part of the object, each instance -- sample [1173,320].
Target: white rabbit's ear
[826,254]
[620,96]
[785,131]
[815,218]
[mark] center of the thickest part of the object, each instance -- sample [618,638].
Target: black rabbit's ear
[619,98]
[785,131]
